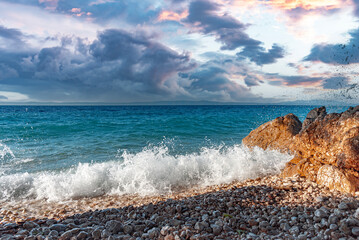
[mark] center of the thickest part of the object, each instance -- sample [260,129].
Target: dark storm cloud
[230,32]
[117,66]
[260,56]
[209,78]
[11,35]
[212,79]
[11,65]
[238,68]
[7,72]
[139,59]
[227,29]
[251,81]
[337,53]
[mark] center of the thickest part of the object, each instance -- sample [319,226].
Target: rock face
[277,134]
[326,147]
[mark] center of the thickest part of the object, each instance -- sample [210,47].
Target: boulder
[335,178]
[316,113]
[277,134]
[333,140]
[325,147]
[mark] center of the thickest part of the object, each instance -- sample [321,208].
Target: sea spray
[5,152]
[151,171]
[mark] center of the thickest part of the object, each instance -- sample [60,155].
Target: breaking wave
[152,171]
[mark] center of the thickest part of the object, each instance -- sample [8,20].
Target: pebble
[356,214]
[127,229]
[30,225]
[58,227]
[355,231]
[114,226]
[153,233]
[343,206]
[265,208]
[320,213]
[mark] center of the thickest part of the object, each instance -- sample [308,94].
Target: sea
[58,153]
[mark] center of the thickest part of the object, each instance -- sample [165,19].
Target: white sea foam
[5,151]
[151,171]
[25,160]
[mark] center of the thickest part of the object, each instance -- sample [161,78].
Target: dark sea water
[62,152]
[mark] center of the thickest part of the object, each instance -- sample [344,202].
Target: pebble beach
[265,208]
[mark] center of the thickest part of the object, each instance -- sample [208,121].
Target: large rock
[335,178]
[277,134]
[326,148]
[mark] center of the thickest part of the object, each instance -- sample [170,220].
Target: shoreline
[263,208]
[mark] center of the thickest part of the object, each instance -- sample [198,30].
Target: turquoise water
[57,152]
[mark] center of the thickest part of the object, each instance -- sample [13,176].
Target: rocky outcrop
[326,147]
[277,134]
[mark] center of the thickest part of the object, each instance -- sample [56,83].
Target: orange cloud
[305,4]
[172,16]
[76,10]
[292,4]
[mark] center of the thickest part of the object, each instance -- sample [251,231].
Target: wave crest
[152,171]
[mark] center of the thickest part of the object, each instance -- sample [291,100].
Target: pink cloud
[76,10]
[172,16]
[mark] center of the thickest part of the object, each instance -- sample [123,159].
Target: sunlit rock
[326,147]
[277,134]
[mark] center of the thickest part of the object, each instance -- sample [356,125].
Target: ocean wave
[152,171]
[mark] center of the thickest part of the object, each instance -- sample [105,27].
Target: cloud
[49,4]
[260,56]
[10,33]
[118,66]
[293,81]
[356,7]
[336,53]
[304,4]
[11,37]
[7,72]
[325,81]
[224,79]
[139,59]
[235,69]
[172,16]
[298,9]
[304,81]
[337,82]
[132,11]
[228,30]
[7,96]
[122,66]
[214,81]
[203,17]
[252,80]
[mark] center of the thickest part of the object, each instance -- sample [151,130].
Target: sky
[130,51]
